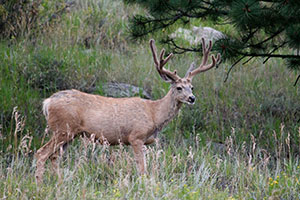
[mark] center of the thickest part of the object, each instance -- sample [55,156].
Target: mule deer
[132,121]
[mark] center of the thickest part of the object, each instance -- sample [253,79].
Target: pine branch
[257,37]
[247,61]
[250,35]
[234,64]
[246,54]
[297,80]
[161,24]
[275,49]
[267,39]
[176,47]
[283,56]
[173,15]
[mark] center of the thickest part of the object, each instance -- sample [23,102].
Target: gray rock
[194,35]
[112,89]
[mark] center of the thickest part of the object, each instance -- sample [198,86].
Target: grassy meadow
[241,139]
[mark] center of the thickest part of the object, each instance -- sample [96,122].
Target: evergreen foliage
[266,28]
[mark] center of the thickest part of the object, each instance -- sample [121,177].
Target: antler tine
[211,65]
[162,53]
[153,49]
[205,51]
[165,74]
[204,66]
[161,56]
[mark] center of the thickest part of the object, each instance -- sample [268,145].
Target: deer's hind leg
[50,149]
[54,158]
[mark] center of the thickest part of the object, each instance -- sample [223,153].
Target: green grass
[241,140]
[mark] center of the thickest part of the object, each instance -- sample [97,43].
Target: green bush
[45,74]
[20,18]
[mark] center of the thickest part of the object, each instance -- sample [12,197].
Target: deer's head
[182,88]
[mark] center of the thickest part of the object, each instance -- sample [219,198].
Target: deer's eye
[192,88]
[179,88]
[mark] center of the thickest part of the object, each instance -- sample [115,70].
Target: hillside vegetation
[241,139]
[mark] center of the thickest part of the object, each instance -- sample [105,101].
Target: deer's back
[111,118]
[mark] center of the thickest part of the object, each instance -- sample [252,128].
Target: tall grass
[241,139]
[180,169]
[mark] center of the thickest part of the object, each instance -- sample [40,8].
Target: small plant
[192,119]
[45,74]
[19,18]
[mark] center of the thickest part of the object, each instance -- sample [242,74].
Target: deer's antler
[165,74]
[204,66]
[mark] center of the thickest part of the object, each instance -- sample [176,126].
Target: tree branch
[227,75]
[283,56]
[183,49]
[267,39]
[246,54]
[276,48]
[297,80]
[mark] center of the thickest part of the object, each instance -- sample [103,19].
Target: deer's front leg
[137,146]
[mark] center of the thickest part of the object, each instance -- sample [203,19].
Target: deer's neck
[165,110]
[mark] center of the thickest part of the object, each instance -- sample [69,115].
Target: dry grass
[179,169]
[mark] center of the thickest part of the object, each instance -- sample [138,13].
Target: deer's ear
[191,68]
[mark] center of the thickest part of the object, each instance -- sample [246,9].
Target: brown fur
[132,121]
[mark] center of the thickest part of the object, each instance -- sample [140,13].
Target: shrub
[45,74]
[21,17]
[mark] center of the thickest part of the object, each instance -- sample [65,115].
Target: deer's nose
[192,99]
